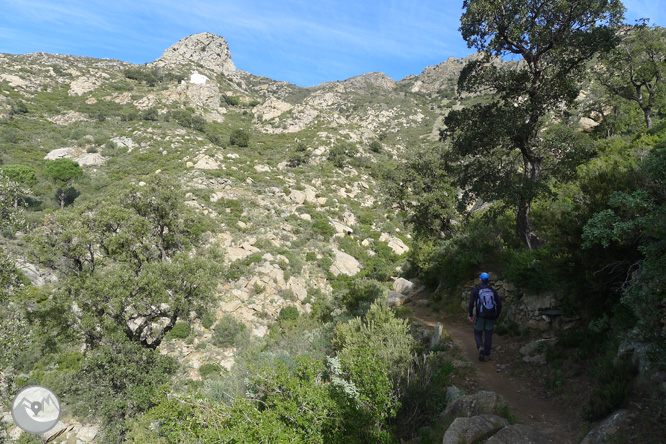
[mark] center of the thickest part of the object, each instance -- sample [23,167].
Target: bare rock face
[208,50]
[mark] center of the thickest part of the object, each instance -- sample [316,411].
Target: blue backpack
[485,304]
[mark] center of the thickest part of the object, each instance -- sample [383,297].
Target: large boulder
[519,434]
[396,299]
[402,285]
[343,263]
[483,402]
[474,429]
[605,430]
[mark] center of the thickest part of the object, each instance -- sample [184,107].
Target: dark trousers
[482,325]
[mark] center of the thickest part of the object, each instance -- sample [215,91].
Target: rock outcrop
[206,49]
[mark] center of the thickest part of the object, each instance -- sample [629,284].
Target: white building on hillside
[198,79]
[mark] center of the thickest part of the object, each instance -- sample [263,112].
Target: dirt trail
[530,406]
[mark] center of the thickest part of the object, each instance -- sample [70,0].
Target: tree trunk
[648,118]
[523,227]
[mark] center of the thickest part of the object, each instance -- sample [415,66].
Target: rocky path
[528,405]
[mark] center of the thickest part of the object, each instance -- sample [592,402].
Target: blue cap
[484,277]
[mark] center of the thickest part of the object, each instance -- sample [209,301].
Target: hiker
[488,308]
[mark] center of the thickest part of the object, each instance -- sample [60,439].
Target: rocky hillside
[295,205]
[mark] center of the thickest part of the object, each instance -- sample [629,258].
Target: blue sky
[305,42]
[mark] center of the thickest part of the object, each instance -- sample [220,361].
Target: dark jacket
[474,297]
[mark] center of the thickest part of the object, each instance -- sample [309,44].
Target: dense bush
[613,389]
[240,138]
[360,294]
[180,330]
[230,332]
[118,381]
[288,314]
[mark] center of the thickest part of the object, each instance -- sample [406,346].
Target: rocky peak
[365,82]
[208,50]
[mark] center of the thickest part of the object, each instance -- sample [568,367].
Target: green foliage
[636,70]
[207,321]
[10,279]
[496,144]
[289,313]
[150,78]
[63,172]
[21,174]
[11,212]
[340,154]
[321,225]
[231,101]
[360,294]
[384,338]
[117,381]
[209,369]
[180,330]
[230,332]
[127,257]
[239,137]
[634,224]
[424,395]
[150,114]
[375,146]
[611,394]
[422,187]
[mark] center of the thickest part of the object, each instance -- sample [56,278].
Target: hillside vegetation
[209,261]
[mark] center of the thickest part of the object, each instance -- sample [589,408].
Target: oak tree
[498,144]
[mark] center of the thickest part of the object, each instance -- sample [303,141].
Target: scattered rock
[56,431]
[87,433]
[83,85]
[483,402]
[124,142]
[68,118]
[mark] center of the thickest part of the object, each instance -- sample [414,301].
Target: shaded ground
[554,416]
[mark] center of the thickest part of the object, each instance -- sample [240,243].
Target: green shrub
[230,333]
[613,388]
[239,137]
[116,381]
[360,294]
[375,146]
[150,114]
[231,101]
[288,314]
[208,321]
[209,369]
[322,226]
[181,330]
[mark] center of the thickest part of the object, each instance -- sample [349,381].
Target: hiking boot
[487,358]
[482,354]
